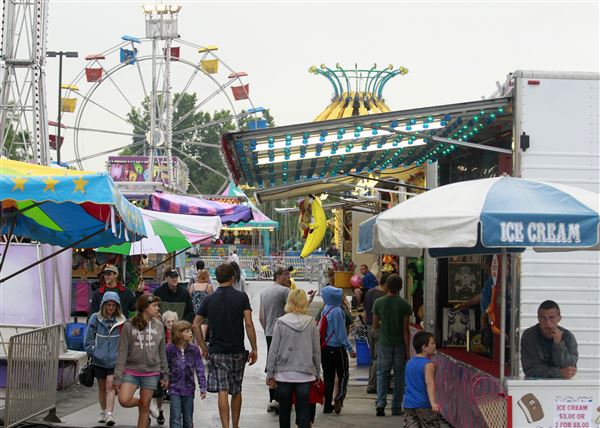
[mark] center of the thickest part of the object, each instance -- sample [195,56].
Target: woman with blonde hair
[294,360]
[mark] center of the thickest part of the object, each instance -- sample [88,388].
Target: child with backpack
[335,347]
[184,360]
[420,406]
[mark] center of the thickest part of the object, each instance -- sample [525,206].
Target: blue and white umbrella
[485,216]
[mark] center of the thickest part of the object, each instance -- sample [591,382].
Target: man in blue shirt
[368,282]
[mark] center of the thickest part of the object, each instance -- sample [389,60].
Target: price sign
[576,413]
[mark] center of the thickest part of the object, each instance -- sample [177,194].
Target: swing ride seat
[174,53]
[93,74]
[96,57]
[69,87]
[257,124]
[52,139]
[67,105]
[210,66]
[208,48]
[127,55]
[241,92]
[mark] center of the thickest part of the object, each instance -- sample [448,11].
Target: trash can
[363,355]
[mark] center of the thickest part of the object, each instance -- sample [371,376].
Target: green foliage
[188,131]
[13,147]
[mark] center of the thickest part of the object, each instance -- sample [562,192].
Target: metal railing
[262,268]
[32,374]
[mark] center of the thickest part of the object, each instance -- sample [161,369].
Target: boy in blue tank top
[420,406]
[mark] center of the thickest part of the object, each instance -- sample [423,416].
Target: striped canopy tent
[179,204]
[259,221]
[63,207]
[169,233]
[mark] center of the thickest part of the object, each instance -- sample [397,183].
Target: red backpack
[323,329]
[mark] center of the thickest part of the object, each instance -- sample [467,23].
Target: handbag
[316,394]
[86,375]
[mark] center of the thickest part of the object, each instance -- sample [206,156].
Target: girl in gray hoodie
[141,360]
[294,360]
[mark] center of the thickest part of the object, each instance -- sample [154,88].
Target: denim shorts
[145,382]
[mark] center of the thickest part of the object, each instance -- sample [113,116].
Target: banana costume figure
[313,223]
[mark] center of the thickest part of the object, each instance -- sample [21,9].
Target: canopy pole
[10,233]
[503,316]
[85,238]
[42,280]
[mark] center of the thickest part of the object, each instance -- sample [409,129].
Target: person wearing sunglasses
[111,283]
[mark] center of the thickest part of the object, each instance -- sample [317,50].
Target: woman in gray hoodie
[294,361]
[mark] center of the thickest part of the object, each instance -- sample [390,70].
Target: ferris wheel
[154,96]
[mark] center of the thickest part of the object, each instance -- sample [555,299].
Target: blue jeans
[182,408]
[284,393]
[389,357]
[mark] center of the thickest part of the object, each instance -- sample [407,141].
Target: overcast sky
[455,51]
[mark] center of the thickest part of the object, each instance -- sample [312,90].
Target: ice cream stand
[503,215]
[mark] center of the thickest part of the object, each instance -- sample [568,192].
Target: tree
[14,147]
[196,138]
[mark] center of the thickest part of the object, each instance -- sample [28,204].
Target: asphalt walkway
[77,406]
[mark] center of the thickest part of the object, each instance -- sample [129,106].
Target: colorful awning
[281,156]
[170,232]
[259,221]
[179,204]
[60,207]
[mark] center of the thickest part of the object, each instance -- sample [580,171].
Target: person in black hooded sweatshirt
[174,297]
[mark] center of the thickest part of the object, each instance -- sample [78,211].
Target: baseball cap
[172,273]
[279,270]
[111,268]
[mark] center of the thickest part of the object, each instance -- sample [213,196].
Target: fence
[262,268]
[32,374]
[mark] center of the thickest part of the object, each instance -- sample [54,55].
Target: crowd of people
[162,349]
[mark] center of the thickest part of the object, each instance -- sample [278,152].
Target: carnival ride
[356,92]
[133,95]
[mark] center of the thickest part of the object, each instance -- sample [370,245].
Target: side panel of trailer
[559,114]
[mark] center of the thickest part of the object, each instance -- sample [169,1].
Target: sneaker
[371,390]
[380,411]
[337,406]
[102,417]
[153,410]
[110,421]
[161,418]
[397,412]
[273,406]
[328,409]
